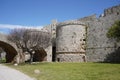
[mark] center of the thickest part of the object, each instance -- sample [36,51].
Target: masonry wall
[72,46]
[71,57]
[70,42]
[98,45]
[71,38]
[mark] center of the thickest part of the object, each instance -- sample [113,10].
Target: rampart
[79,40]
[97,45]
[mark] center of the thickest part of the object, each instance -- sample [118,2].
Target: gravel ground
[7,73]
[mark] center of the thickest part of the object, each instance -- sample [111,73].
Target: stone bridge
[11,51]
[8,47]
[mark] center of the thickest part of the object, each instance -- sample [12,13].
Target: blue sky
[41,12]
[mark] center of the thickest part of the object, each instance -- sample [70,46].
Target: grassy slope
[72,71]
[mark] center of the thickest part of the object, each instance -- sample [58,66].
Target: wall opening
[40,55]
[58,59]
[9,50]
[2,55]
[53,53]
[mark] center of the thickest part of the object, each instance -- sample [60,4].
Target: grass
[72,71]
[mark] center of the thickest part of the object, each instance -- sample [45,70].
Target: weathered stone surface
[70,38]
[98,45]
[71,57]
[9,48]
[15,55]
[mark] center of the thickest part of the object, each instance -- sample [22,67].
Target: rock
[36,71]
[34,78]
[15,64]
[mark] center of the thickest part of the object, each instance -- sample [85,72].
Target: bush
[114,31]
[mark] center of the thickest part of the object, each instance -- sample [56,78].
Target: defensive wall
[98,46]
[85,39]
[77,40]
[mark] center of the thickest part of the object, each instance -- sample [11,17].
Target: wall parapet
[72,22]
[112,10]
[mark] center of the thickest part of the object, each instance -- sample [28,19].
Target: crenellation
[113,10]
[88,18]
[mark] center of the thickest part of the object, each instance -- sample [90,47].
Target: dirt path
[7,73]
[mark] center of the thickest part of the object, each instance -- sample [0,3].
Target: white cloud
[5,28]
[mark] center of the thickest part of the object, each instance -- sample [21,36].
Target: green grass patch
[72,71]
[3,60]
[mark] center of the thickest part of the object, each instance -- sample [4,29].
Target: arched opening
[9,50]
[40,55]
[2,55]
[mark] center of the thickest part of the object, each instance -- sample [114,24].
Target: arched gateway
[11,51]
[9,48]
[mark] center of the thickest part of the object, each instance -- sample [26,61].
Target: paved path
[7,73]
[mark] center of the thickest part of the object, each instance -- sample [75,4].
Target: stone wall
[98,45]
[70,38]
[71,57]
[113,10]
[70,42]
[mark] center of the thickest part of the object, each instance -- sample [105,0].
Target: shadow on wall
[113,57]
[10,51]
[40,55]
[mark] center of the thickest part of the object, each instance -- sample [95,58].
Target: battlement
[88,18]
[112,10]
[115,10]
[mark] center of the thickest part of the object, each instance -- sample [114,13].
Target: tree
[114,31]
[30,40]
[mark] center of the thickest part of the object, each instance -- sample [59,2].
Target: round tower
[71,41]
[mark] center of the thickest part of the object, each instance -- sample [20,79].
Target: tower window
[84,39]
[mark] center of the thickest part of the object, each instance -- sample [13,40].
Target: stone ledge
[70,52]
[71,57]
[72,22]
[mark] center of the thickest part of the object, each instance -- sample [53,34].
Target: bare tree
[30,40]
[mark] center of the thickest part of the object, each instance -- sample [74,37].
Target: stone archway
[10,51]
[40,55]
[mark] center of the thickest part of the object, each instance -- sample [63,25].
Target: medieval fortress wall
[98,45]
[84,39]
[78,40]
